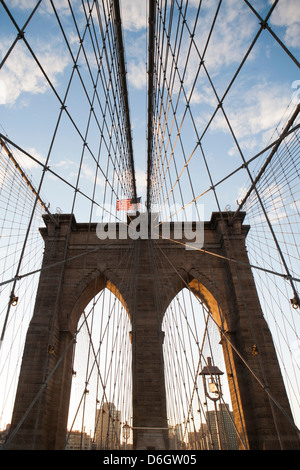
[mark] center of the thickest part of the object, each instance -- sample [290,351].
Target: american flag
[128,204]
[123,205]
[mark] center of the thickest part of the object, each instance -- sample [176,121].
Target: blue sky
[255,104]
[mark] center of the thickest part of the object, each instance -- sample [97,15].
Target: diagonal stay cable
[232,260]
[48,168]
[21,33]
[265,25]
[220,105]
[220,101]
[62,102]
[239,168]
[268,160]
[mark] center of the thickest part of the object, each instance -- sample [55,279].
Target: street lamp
[126,433]
[214,383]
[212,388]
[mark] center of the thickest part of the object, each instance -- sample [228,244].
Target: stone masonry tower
[70,280]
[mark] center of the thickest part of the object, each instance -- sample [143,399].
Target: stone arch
[229,311]
[206,290]
[211,296]
[106,265]
[83,294]
[110,310]
[64,291]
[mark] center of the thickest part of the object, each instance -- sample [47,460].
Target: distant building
[175,437]
[200,440]
[107,427]
[3,435]
[78,440]
[228,437]
[194,441]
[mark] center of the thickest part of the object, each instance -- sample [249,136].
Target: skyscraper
[222,420]
[107,427]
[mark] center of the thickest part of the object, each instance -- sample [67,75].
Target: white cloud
[65,164]
[141,181]
[203,95]
[135,48]
[88,172]
[292,35]
[231,36]
[274,202]
[26,162]
[61,6]
[133,14]
[21,4]
[257,110]
[295,207]
[286,14]
[137,74]
[230,40]
[21,74]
